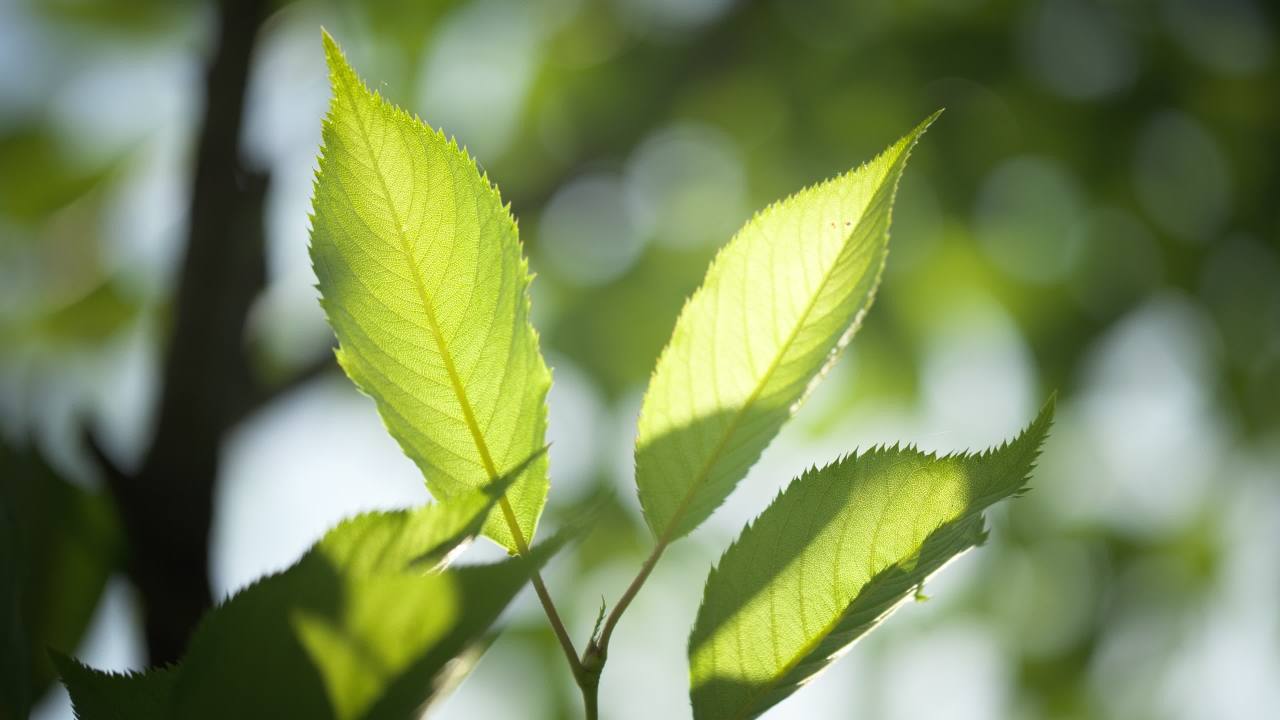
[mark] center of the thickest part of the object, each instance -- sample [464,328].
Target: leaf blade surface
[360,622]
[832,556]
[97,695]
[777,305]
[422,279]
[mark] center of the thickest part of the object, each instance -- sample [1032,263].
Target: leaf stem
[590,696]
[566,643]
[627,596]
[544,596]
[597,652]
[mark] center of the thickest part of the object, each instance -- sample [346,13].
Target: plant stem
[597,652]
[544,596]
[627,596]
[590,686]
[588,679]
[566,643]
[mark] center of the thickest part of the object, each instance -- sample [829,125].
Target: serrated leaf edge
[1039,427]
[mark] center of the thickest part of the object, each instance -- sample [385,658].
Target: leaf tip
[332,53]
[340,70]
[1039,428]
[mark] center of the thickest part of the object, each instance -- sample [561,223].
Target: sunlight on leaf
[778,304]
[429,535]
[833,555]
[360,627]
[422,278]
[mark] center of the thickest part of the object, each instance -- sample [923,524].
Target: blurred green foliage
[60,543]
[1094,213]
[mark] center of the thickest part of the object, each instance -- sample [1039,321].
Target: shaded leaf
[359,627]
[389,660]
[422,278]
[59,544]
[97,695]
[833,555]
[778,304]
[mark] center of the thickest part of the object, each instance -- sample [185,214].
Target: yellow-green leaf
[362,626]
[778,304]
[428,536]
[422,278]
[832,556]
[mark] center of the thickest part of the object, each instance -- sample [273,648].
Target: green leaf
[778,304]
[383,657]
[98,695]
[833,555]
[59,543]
[428,536]
[360,627]
[422,278]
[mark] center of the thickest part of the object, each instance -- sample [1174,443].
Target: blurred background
[1095,214]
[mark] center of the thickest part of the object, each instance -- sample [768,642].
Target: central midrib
[455,381]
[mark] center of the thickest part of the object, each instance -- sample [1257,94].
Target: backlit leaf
[778,304]
[59,545]
[422,278]
[428,535]
[360,627]
[832,556]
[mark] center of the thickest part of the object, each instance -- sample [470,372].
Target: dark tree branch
[166,505]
